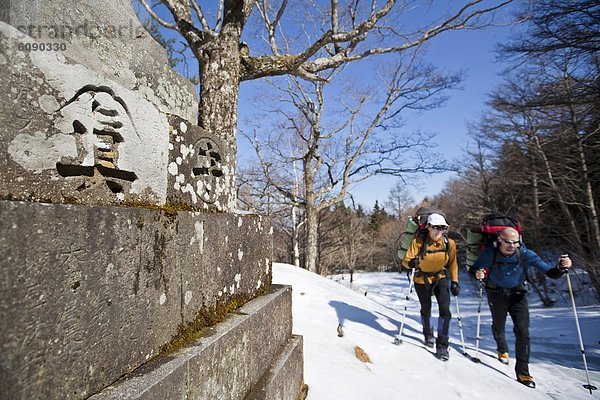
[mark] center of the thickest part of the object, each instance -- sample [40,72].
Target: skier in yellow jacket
[433,258]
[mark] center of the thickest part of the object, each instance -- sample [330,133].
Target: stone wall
[90,293]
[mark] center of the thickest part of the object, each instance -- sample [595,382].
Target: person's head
[436,226]
[509,241]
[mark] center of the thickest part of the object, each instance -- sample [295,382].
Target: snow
[370,311]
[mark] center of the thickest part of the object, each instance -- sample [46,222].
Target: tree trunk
[295,223]
[540,277]
[309,172]
[592,215]
[312,231]
[219,89]
[295,236]
[557,192]
[353,245]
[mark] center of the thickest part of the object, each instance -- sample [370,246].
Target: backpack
[417,226]
[484,236]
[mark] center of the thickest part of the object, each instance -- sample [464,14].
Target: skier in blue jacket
[503,269]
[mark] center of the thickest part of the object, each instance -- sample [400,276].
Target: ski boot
[503,358]
[429,341]
[526,380]
[442,353]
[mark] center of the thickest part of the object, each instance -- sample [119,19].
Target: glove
[413,263]
[454,288]
[481,271]
[564,263]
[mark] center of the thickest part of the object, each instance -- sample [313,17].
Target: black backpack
[423,213]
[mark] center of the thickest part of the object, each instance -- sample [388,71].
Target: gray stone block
[107,40]
[5,11]
[86,121]
[225,364]
[284,379]
[90,293]
[70,135]
[199,167]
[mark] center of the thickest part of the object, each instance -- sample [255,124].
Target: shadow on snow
[346,312]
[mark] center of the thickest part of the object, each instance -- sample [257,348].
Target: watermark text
[90,30]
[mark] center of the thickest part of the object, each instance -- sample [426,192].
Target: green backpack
[416,225]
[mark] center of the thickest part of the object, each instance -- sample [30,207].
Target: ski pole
[398,339]
[462,338]
[589,386]
[476,359]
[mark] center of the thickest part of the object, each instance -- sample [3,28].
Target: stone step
[285,378]
[226,364]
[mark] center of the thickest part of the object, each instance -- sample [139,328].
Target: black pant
[513,302]
[442,294]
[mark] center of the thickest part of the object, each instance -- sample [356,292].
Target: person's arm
[411,253]
[532,259]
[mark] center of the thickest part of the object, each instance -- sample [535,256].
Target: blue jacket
[508,272]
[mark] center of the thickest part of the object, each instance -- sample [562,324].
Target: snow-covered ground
[371,313]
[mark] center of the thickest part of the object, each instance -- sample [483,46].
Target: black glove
[454,288]
[413,263]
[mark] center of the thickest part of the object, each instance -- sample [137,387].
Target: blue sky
[472,52]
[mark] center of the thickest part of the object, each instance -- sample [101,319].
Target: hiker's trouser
[513,302]
[442,294]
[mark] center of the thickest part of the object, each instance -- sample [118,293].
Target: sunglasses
[509,242]
[439,228]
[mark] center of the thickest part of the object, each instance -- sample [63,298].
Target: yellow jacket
[434,260]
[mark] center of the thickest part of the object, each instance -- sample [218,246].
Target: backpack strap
[446,248]
[423,249]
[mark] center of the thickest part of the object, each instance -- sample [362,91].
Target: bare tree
[303,39]
[562,43]
[558,25]
[348,240]
[339,148]
[387,241]
[400,200]
[543,128]
[256,192]
[545,110]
